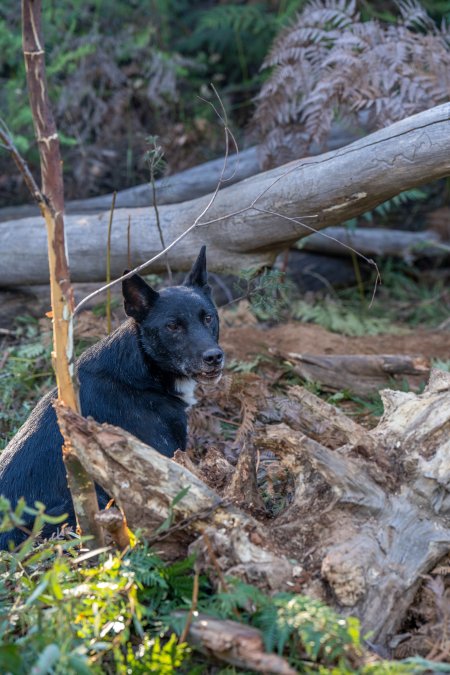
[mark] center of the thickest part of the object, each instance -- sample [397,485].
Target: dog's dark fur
[141,378]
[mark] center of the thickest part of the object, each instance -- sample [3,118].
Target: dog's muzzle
[211,371]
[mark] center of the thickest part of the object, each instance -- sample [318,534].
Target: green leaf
[79,664]
[47,659]
[38,591]
[10,659]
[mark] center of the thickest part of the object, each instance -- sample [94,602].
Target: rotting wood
[368,518]
[251,221]
[242,489]
[362,374]
[144,483]
[321,421]
[381,529]
[234,643]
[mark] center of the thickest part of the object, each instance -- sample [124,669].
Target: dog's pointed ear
[138,297]
[198,276]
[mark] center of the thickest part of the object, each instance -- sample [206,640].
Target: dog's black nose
[213,357]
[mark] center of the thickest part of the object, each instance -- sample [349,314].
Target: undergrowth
[119,71]
[66,612]
[404,300]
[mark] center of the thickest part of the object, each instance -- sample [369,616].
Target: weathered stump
[370,513]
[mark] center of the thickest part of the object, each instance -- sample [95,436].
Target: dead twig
[193,609]
[213,559]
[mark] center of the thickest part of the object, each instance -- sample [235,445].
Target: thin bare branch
[8,145]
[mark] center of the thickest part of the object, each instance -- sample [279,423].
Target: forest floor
[250,345]
[229,416]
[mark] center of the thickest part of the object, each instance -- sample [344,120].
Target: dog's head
[178,326]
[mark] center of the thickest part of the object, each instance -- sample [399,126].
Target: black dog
[141,377]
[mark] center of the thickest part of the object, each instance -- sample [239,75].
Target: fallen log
[373,241]
[249,222]
[182,186]
[189,184]
[362,374]
[145,484]
[234,643]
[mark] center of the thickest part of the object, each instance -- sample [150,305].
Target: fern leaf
[330,62]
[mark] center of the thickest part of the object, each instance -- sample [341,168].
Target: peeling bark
[51,202]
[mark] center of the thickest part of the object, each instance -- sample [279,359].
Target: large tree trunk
[369,515]
[251,221]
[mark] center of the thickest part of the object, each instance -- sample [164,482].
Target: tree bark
[251,221]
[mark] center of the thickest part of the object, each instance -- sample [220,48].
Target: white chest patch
[185,388]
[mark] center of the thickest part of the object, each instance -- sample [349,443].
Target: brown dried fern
[249,411]
[330,62]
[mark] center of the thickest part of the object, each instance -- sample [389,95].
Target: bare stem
[51,203]
[108,264]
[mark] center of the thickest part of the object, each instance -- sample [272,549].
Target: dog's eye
[172,326]
[207,319]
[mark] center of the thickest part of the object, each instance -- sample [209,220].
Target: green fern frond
[334,316]
[31,351]
[236,18]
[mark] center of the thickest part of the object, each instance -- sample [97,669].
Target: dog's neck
[184,389]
